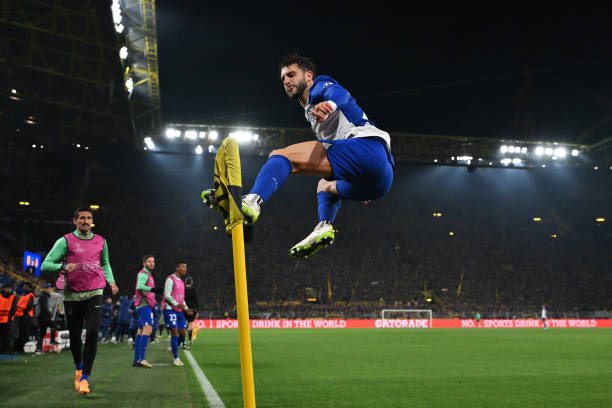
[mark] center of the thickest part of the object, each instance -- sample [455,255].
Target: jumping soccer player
[144,302]
[173,305]
[83,257]
[352,156]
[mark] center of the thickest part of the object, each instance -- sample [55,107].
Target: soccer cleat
[77,378]
[145,364]
[251,208]
[321,237]
[208,198]
[177,362]
[84,387]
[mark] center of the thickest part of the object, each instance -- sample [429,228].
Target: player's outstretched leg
[321,237]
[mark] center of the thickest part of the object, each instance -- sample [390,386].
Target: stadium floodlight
[172,133]
[211,149]
[539,151]
[129,84]
[198,150]
[560,152]
[465,158]
[14,91]
[516,161]
[524,150]
[575,152]
[242,136]
[202,135]
[116,11]
[548,151]
[506,161]
[149,143]
[191,134]
[119,28]
[600,219]
[213,135]
[511,149]
[537,219]
[503,149]
[123,52]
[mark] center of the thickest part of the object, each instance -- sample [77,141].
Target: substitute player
[144,302]
[173,305]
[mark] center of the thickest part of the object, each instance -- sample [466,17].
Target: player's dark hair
[176,265]
[147,256]
[82,209]
[302,62]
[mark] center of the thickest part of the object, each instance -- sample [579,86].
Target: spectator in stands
[45,315]
[8,307]
[24,316]
[107,318]
[124,315]
[191,298]
[157,312]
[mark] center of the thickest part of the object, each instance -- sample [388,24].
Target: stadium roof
[62,79]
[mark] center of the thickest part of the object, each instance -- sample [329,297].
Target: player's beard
[301,87]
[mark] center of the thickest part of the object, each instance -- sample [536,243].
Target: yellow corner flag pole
[244,331]
[228,196]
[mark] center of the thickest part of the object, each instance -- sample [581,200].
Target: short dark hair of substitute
[176,265]
[302,62]
[147,256]
[82,209]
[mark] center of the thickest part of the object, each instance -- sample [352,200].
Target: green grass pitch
[340,368]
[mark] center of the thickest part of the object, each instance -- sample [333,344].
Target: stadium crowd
[484,252]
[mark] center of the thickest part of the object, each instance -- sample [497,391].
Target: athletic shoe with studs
[77,379]
[251,208]
[208,198]
[84,387]
[321,237]
[145,364]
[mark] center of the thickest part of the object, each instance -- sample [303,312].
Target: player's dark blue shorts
[362,167]
[175,320]
[145,316]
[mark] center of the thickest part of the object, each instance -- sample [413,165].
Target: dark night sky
[463,73]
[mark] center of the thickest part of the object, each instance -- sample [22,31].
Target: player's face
[181,270]
[83,221]
[149,263]
[295,80]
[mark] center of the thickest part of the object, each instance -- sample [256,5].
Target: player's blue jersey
[348,120]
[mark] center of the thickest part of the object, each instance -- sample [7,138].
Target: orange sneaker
[77,378]
[84,387]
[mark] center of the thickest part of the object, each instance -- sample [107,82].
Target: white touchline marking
[211,395]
